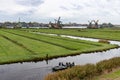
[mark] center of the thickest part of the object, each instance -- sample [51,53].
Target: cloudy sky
[79,11]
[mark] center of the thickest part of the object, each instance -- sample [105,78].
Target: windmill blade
[89,21]
[97,21]
[55,19]
[59,18]
[93,21]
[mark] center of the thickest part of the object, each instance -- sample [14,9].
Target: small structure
[93,24]
[18,24]
[56,25]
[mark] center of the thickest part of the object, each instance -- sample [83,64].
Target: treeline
[44,25]
[22,24]
[107,25]
[86,72]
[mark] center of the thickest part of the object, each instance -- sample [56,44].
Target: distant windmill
[91,25]
[19,23]
[96,23]
[57,24]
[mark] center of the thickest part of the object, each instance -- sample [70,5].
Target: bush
[104,41]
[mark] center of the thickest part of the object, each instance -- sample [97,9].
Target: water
[62,27]
[37,71]
[74,27]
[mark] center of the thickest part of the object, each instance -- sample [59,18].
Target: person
[60,63]
[73,64]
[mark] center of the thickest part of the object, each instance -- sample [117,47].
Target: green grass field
[106,33]
[19,46]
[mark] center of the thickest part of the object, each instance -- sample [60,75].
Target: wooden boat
[61,66]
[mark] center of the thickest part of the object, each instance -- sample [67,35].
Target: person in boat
[60,63]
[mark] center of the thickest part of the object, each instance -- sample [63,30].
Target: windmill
[57,24]
[18,25]
[91,25]
[96,23]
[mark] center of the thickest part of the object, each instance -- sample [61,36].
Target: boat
[62,66]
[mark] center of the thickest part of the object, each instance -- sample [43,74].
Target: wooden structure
[93,24]
[56,25]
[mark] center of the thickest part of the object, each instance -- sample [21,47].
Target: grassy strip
[107,33]
[71,45]
[32,44]
[68,39]
[43,41]
[86,72]
[21,45]
[42,48]
[10,52]
[80,45]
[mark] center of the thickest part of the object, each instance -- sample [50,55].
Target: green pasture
[19,46]
[104,33]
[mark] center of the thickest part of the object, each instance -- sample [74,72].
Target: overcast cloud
[79,11]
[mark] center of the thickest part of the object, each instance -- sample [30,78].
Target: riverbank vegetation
[114,75]
[86,72]
[20,46]
[104,33]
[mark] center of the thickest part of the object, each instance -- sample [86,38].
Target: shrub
[104,41]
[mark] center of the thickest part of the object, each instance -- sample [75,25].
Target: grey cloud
[87,5]
[76,6]
[108,0]
[64,8]
[30,2]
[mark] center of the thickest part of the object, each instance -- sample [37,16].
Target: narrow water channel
[37,71]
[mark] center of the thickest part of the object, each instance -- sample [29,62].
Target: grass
[19,46]
[11,52]
[109,76]
[106,33]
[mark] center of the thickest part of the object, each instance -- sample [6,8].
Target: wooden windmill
[57,24]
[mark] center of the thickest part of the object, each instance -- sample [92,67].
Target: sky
[78,11]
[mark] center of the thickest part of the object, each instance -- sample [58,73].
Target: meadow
[104,33]
[20,46]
